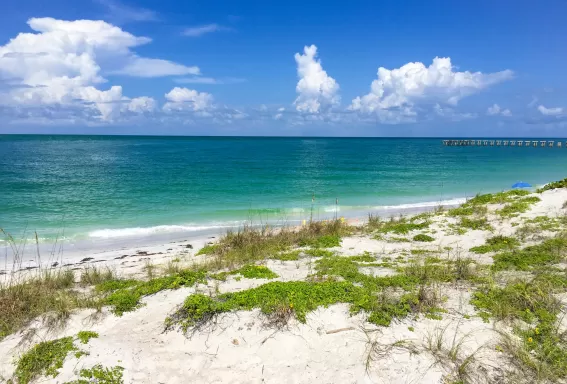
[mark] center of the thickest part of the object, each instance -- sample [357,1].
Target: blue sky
[487,68]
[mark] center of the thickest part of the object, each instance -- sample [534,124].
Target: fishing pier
[504,143]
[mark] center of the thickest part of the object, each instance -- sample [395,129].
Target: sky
[284,68]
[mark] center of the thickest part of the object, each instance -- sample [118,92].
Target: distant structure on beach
[504,143]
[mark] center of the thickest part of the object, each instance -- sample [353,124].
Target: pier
[504,143]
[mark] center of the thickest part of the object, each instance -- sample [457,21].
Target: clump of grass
[318,252]
[423,238]
[47,293]
[172,267]
[495,244]
[100,375]
[249,244]
[366,257]
[126,295]
[398,239]
[256,272]
[85,336]
[533,228]
[402,226]
[554,185]
[479,224]
[93,275]
[542,349]
[551,251]
[468,209]
[208,249]
[44,359]
[287,256]
[449,352]
[247,271]
[517,207]
[325,241]
[497,198]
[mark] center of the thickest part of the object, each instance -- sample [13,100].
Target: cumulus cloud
[316,90]
[183,99]
[145,67]
[204,29]
[550,111]
[59,64]
[415,83]
[497,110]
[141,105]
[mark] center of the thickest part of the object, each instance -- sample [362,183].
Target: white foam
[144,231]
[425,204]
[332,208]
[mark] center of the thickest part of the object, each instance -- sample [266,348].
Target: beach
[332,344]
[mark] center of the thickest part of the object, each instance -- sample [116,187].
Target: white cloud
[144,67]
[59,64]
[415,83]
[497,110]
[183,99]
[204,29]
[550,111]
[316,90]
[141,105]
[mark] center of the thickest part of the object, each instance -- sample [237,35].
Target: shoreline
[72,251]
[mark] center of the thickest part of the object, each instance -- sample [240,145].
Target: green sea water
[116,186]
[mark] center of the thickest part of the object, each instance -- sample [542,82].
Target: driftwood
[340,330]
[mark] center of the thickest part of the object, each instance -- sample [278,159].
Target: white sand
[239,349]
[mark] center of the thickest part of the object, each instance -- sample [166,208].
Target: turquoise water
[111,187]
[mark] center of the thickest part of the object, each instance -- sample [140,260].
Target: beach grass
[250,244]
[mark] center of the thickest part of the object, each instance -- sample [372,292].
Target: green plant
[287,256]
[301,297]
[127,296]
[480,224]
[256,272]
[541,350]
[325,241]
[495,244]
[208,249]
[554,185]
[45,358]
[518,206]
[548,252]
[100,375]
[366,257]
[423,238]
[318,252]
[85,336]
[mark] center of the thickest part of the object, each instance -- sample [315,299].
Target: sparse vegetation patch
[44,359]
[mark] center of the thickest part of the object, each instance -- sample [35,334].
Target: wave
[424,204]
[144,231]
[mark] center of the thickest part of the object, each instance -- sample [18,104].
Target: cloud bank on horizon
[61,72]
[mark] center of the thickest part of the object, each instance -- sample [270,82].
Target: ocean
[99,188]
